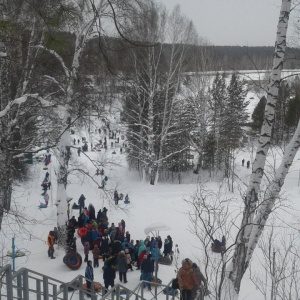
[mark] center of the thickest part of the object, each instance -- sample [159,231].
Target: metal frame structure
[28,285]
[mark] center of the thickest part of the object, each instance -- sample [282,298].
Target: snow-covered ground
[149,204]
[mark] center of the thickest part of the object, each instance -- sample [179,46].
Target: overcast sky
[232,22]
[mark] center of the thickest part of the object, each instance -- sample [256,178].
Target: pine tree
[217,104]
[258,114]
[293,112]
[235,116]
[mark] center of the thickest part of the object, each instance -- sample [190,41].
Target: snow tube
[97,286]
[81,231]
[18,253]
[218,249]
[73,260]
[165,261]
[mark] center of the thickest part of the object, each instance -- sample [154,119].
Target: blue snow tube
[73,260]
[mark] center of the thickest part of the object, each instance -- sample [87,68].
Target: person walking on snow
[96,253]
[147,270]
[116,197]
[122,266]
[187,279]
[81,203]
[86,250]
[50,242]
[89,274]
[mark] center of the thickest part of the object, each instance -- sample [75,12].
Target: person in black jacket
[81,203]
[109,274]
[147,270]
[104,247]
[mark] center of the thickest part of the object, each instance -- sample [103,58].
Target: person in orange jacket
[187,279]
[50,242]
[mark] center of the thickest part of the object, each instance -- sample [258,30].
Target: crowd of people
[113,244]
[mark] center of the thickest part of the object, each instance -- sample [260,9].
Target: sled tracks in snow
[26,284]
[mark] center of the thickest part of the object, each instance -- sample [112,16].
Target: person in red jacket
[187,279]
[140,259]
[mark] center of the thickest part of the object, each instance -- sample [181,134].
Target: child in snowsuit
[96,253]
[128,259]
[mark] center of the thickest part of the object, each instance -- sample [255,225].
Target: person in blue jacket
[89,274]
[155,255]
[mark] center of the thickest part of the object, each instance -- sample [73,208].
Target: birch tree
[254,216]
[155,86]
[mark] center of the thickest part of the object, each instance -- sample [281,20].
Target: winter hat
[194,266]
[186,262]
[122,253]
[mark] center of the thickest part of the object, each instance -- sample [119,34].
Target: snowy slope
[149,204]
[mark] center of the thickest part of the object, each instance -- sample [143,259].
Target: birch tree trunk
[243,249]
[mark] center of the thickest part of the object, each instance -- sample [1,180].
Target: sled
[97,286]
[73,260]
[81,231]
[42,207]
[126,202]
[157,280]
[45,168]
[75,206]
[218,249]
[165,261]
[18,253]
[72,285]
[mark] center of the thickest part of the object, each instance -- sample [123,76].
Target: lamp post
[154,229]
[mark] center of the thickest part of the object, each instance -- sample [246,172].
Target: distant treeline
[252,58]
[111,55]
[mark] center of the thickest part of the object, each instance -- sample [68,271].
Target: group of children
[120,196]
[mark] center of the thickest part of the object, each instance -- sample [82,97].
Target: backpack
[175,284]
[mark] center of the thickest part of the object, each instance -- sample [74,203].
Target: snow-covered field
[149,204]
